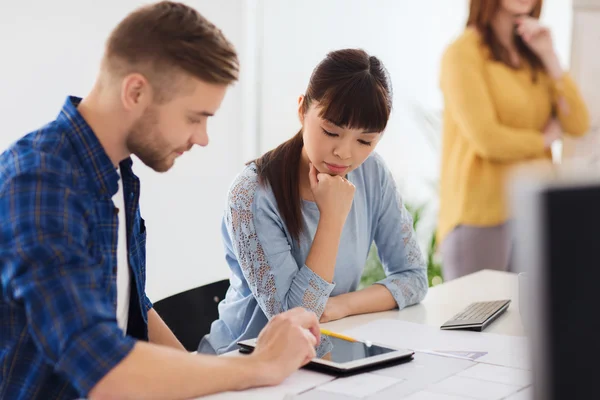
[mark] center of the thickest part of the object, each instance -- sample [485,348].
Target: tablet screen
[343,351]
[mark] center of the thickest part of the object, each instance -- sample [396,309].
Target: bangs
[359,103]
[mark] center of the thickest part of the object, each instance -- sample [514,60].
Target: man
[74,317]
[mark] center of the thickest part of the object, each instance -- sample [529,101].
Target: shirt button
[116,210]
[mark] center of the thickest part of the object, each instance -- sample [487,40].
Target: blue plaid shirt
[58,255]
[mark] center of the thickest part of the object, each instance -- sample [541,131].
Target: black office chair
[190,313]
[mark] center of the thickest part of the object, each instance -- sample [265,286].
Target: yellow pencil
[337,335]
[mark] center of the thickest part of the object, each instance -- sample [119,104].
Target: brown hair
[159,39]
[481,13]
[354,90]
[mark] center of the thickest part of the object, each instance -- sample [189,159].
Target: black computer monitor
[557,244]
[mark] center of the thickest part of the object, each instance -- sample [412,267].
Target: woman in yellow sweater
[507,100]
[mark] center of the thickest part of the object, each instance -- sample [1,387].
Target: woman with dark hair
[300,220]
[507,101]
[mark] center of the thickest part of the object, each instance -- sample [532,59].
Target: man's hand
[286,344]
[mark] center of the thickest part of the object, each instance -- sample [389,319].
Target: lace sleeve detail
[396,240]
[324,347]
[305,288]
[410,286]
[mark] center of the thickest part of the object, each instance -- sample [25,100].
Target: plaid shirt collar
[90,152]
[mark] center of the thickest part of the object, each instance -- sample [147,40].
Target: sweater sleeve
[396,241]
[470,104]
[570,106]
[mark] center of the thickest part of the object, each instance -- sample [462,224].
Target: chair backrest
[189,314]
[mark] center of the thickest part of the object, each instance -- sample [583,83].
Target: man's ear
[136,92]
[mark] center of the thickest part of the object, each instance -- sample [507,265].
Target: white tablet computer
[339,356]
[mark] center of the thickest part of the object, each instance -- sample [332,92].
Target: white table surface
[444,301]
[441,303]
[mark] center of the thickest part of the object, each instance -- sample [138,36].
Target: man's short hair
[164,38]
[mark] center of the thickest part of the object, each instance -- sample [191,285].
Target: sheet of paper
[423,371]
[425,395]
[498,374]
[467,355]
[508,351]
[317,394]
[525,394]
[426,377]
[426,369]
[359,386]
[474,388]
[298,382]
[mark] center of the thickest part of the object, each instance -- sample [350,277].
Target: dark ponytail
[279,167]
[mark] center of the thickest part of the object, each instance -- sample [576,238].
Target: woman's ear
[301,109]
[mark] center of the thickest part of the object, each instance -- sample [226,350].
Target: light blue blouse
[268,274]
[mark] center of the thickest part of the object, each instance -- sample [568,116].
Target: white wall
[52,49]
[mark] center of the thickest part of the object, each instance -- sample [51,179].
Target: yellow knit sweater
[493,120]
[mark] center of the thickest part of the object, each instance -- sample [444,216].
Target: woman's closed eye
[330,133]
[361,141]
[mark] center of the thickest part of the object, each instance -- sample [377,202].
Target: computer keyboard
[477,316]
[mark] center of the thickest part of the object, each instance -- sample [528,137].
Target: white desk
[446,300]
[442,303]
